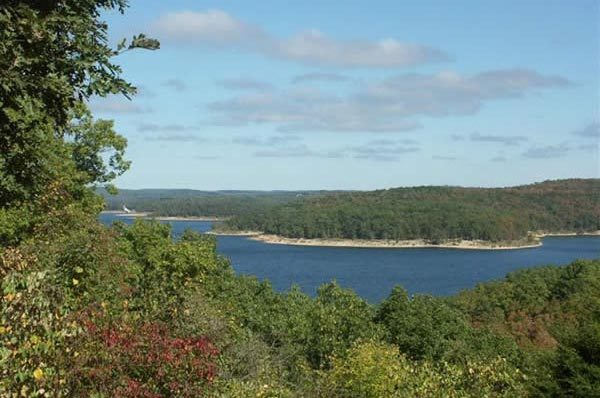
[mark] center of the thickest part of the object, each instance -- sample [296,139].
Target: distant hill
[189,202]
[435,213]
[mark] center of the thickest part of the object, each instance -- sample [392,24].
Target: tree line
[201,203]
[435,213]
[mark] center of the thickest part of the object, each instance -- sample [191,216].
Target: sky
[310,94]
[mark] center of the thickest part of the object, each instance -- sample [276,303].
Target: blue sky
[357,94]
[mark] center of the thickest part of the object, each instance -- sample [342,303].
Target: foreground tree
[54,55]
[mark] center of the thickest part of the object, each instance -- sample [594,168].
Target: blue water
[372,273]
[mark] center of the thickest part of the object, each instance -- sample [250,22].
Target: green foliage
[372,370]
[166,269]
[423,327]
[76,267]
[35,329]
[338,319]
[426,327]
[91,142]
[552,313]
[54,56]
[194,203]
[435,214]
[68,262]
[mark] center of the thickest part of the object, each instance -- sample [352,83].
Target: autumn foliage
[142,359]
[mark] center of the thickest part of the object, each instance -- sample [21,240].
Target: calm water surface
[372,273]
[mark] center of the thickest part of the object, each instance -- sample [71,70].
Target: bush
[140,359]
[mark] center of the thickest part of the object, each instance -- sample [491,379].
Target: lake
[372,273]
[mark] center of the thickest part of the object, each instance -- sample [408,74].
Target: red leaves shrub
[143,360]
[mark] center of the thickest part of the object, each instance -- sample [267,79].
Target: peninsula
[448,217]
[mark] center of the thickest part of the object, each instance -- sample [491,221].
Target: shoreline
[119,213]
[544,234]
[235,233]
[405,244]
[362,243]
[392,244]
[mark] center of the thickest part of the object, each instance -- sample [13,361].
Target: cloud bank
[218,29]
[390,105]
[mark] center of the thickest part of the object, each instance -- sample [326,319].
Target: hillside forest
[434,213]
[88,310]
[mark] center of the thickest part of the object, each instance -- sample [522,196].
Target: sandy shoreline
[392,244]
[543,234]
[415,243]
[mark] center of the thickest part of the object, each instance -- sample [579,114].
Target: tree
[54,56]
[54,257]
[338,318]
[423,327]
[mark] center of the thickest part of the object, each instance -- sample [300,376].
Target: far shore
[235,233]
[119,213]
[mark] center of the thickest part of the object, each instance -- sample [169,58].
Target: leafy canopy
[54,56]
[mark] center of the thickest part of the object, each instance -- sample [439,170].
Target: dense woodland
[128,311]
[435,213]
[193,203]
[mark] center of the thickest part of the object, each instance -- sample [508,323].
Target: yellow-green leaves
[372,369]
[38,374]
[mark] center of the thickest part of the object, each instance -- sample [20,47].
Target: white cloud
[390,105]
[449,93]
[211,27]
[216,28]
[314,47]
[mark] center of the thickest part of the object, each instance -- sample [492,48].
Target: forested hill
[435,213]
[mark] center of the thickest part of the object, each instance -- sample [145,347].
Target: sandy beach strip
[415,243]
[543,234]
[392,244]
